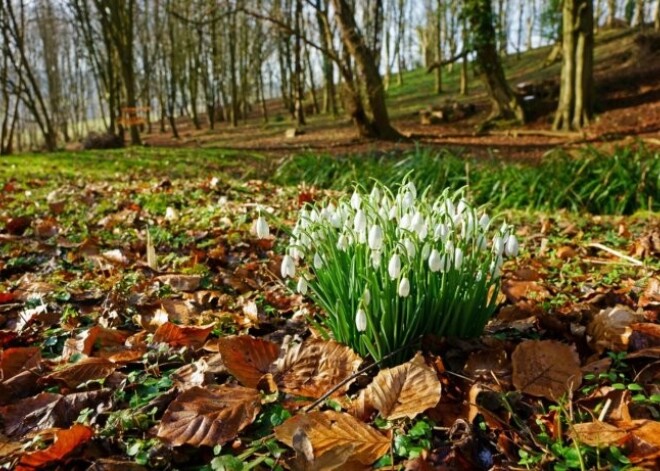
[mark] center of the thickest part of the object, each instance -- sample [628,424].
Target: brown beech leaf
[313,367]
[329,430]
[15,360]
[406,390]
[182,335]
[85,370]
[247,358]
[546,368]
[96,337]
[47,410]
[66,441]
[209,416]
[181,282]
[516,291]
[610,329]
[598,434]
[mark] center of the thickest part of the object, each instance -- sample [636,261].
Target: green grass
[623,182]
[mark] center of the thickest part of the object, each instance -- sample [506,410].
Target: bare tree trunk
[531,18]
[504,102]
[656,16]
[611,13]
[299,72]
[464,62]
[638,19]
[439,25]
[375,93]
[325,34]
[576,96]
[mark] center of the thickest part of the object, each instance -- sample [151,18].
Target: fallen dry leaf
[329,430]
[96,337]
[610,329]
[209,416]
[404,391]
[247,358]
[85,370]
[181,282]
[66,441]
[516,291]
[313,367]
[598,434]
[182,335]
[15,360]
[546,368]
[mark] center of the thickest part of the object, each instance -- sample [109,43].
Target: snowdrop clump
[388,268]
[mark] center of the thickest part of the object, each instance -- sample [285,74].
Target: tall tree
[504,102]
[378,124]
[576,96]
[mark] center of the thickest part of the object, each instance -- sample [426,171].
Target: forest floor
[627,95]
[115,359]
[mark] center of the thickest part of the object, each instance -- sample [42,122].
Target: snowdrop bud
[336,220]
[495,267]
[261,227]
[450,210]
[458,258]
[392,213]
[356,200]
[302,286]
[375,195]
[375,238]
[481,242]
[484,220]
[426,250]
[404,287]
[498,245]
[361,320]
[383,213]
[407,200]
[410,248]
[375,259]
[360,221]
[171,214]
[318,261]
[296,253]
[462,206]
[478,276]
[288,268]
[412,189]
[441,231]
[511,246]
[366,297]
[394,266]
[435,261]
[342,242]
[416,221]
[423,231]
[404,223]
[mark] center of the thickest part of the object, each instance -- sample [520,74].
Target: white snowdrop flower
[394,266]
[302,286]
[296,253]
[407,200]
[410,186]
[318,261]
[435,261]
[404,223]
[261,228]
[356,200]
[440,231]
[426,250]
[411,250]
[336,220]
[362,237]
[511,246]
[423,231]
[495,267]
[314,215]
[467,229]
[484,220]
[458,258]
[462,206]
[375,195]
[392,212]
[416,221]
[288,268]
[449,247]
[342,242]
[404,287]
[305,240]
[498,245]
[450,210]
[360,221]
[481,242]
[361,320]
[376,258]
[375,237]
[366,297]
[383,213]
